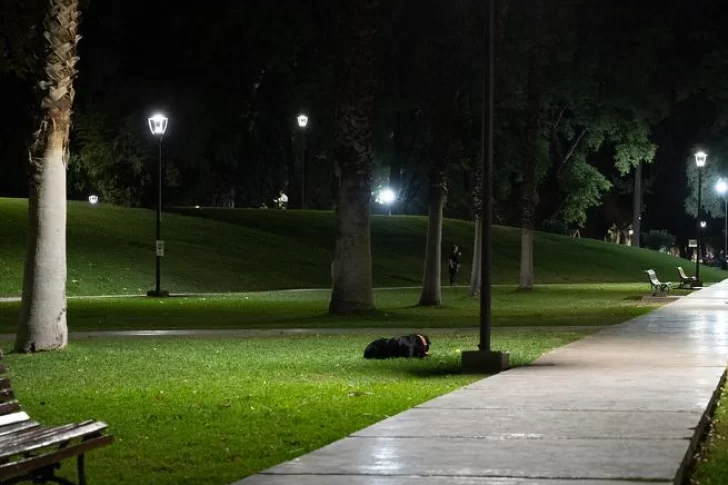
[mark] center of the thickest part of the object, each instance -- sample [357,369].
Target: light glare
[302,120]
[721,187]
[700,158]
[386,196]
[158,124]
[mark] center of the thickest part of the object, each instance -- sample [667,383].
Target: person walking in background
[453,263]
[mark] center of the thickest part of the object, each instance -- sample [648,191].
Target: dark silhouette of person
[453,263]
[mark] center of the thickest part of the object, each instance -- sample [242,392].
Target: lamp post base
[484,362]
[697,284]
[158,294]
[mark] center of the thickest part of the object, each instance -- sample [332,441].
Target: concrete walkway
[623,406]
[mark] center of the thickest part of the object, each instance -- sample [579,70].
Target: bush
[555,226]
[658,239]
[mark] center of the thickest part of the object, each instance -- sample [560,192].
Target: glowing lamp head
[721,187]
[302,120]
[700,159]
[387,196]
[158,124]
[703,224]
[93,199]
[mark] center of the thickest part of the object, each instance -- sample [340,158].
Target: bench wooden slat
[26,446]
[13,418]
[6,395]
[9,407]
[21,467]
[49,437]
[30,434]
[16,427]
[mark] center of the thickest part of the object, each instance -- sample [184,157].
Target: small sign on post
[692,243]
[160,248]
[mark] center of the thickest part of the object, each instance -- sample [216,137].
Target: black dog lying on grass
[413,345]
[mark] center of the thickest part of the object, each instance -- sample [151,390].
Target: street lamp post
[700,159]
[484,360]
[302,122]
[722,188]
[158,125]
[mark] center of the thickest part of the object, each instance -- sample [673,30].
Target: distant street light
[700,159]
[703,224]
[722,188]
[158,126]
[302,123]
[93,199]
[387,197]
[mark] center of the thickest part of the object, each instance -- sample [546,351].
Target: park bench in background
[685,280]
[31,451]
[656,285]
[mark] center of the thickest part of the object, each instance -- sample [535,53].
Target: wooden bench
[32,452]
[685,280]
[656,285]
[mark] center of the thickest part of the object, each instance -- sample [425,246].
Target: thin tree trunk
[354,155]
[637,206]
[431,280]
[526,277]
[42,324]
[529,193]
[475,275]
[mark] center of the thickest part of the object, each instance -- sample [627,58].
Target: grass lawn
[544,306]
[111,251]
[711,467]
[210,411]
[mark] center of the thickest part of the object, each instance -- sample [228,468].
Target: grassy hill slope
[111,251]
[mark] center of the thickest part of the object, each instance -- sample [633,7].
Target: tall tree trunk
[354,155]
[399,158]
[529,192]
[637,206]
[431,280]
[42,324]
[475,273]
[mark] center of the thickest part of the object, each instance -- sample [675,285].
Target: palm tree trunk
[431,280]
[42,324]
[354,155]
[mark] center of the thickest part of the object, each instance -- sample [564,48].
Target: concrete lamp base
[159,294]
[697,284]
[484,362]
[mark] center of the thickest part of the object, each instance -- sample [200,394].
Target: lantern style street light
[722,188]
[93,199]
[700,159]
[158,126]
[302,123]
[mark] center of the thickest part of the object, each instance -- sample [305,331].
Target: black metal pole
[303,169]
[697,259]
[159,220]
[725,229]
[486,150]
